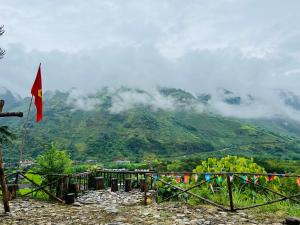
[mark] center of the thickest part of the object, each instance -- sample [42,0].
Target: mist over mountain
[231,63]
[223,102]
[131,123]
[283,106]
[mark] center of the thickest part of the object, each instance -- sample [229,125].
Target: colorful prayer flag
[255,179]
[178,179]
[196,178]
[219,180]
[245,179]
[186,178]
[207,177]
[270,177]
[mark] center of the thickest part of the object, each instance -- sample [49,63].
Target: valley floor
[105,207]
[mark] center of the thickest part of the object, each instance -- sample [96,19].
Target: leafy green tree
[6,136]
[154,163]
[54,161]
[175,166]
[229,164]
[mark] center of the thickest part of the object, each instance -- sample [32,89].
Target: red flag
[36,91]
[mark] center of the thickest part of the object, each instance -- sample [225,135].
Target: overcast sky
[198,45]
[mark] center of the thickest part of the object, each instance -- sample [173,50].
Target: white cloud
[78,99]
[249,47]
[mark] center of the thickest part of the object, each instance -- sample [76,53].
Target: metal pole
[24,134]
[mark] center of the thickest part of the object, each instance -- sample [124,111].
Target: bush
[229,164]
[54,161]
[246,189]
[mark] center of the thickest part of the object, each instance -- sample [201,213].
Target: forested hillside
[113,125]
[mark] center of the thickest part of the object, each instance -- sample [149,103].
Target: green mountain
[128,123]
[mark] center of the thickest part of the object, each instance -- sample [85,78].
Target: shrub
[229,164]
[54,161]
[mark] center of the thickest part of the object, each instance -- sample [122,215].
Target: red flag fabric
[36,91]
[186,178]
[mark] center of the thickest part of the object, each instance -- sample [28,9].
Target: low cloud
[79,100]
[247,47]
[123,99]
[221,102]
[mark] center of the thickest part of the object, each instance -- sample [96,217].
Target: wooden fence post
[12,191]
[3,185]
[60,188]
[114,184]
[74,188]
[230,194]
[2,177]
[142,184]
[127,184]
[99,183]
[66,183]
[145,190]
[70,198]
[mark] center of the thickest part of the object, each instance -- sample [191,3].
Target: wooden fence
[58,186]
[226,181]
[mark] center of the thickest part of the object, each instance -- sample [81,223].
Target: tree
[2,52]
[54,161]
[229,164]
[175,166]
[6,136]
[153,162]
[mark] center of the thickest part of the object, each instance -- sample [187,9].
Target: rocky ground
[121,208]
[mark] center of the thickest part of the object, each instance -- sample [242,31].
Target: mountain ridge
[131,124]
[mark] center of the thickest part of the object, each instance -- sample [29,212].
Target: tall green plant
[6,136]
[229,164]
[54,161]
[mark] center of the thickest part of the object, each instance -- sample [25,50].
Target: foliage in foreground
[6,135]
[229,164]
[54,161]
[247,189]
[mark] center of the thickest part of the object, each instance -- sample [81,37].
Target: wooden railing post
[127,184]
[12,191]
[114,184]
[145,190]
[17,177]
[230,194]
[70,198]
[2,177]
[73,188]
[123,177]
[142,184]
[60,188]
[99,183]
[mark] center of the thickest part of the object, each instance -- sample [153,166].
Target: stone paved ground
[104,207]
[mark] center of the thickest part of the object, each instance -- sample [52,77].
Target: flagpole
[24,133]
[35,92]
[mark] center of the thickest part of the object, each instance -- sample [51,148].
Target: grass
[278,210]
[241,199]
